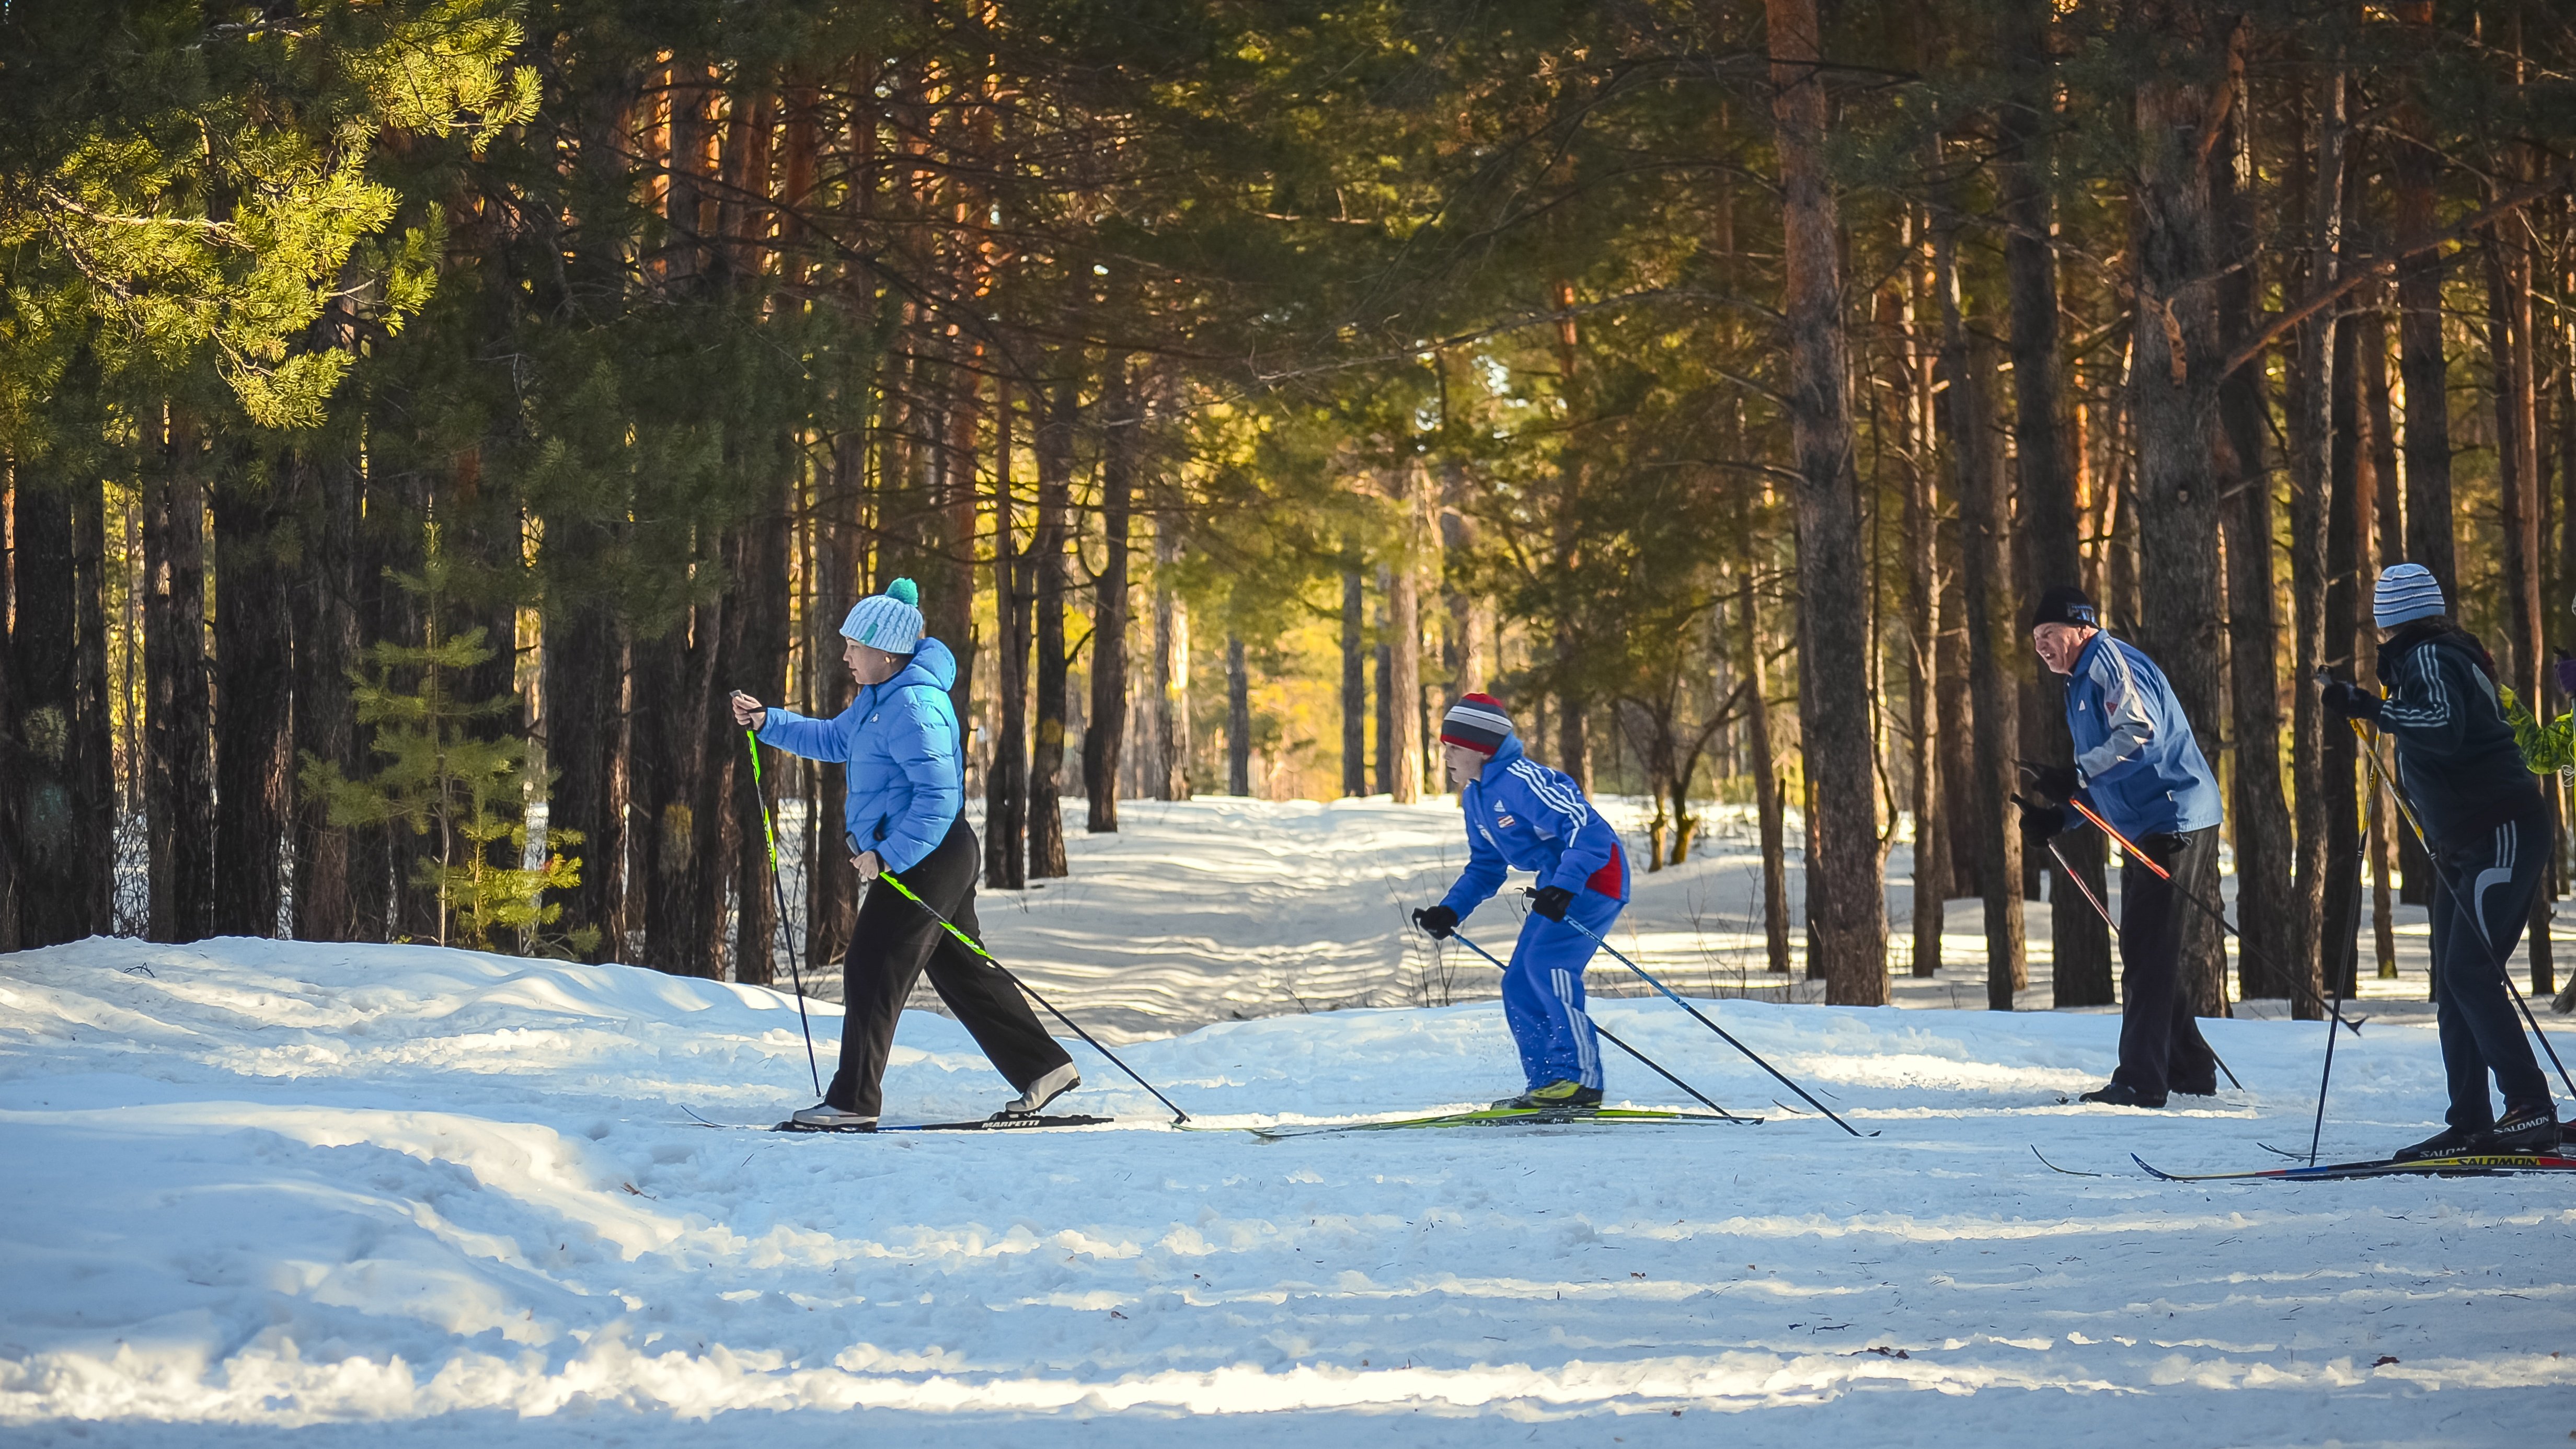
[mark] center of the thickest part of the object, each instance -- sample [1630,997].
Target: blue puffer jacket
[2134,751]
[907,778]
[1521,815]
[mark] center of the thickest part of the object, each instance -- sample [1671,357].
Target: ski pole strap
[1650,1063]
[1676,998]
[971,944]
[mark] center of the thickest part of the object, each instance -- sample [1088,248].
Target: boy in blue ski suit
[1522,815]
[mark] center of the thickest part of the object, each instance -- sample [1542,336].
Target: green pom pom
[903,589]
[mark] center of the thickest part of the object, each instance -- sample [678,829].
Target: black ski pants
[2161,1050]
[2478,914]
[895,940]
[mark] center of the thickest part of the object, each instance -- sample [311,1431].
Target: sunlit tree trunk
[1984,520]
[1833,587]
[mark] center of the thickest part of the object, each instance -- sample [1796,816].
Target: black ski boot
[2533,1130]
[2449,1142]
[2121,1094]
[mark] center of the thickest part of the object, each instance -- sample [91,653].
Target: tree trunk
[253,747]
[1006,775]
[2421,364]
[179,783]
[761,581]
[1104,739]
[13,762]
[2265,909]
[1354,681]
[706,744]
[1922,654]
[2174,385]
[1403,737]
[93,748]
[59,859]
[2050,535]
[1238,719]
[2348,498]
[1171,770]
[1767,812]
[1834,589]
[2509,276]
[1984,518]
[950,606]
[325,615]
[1047,549]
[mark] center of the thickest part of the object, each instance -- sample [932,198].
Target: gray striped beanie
[2407,591]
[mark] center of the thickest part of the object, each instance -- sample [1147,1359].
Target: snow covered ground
[258,1192]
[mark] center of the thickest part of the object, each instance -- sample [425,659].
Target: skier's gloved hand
[2347,700]
[1437,922]
[1551,901]
[2567,674]
[2039,822]
[2057,782]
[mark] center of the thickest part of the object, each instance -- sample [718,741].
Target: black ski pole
[1614,1041]
[1676,998]
[2351,962]
[2406,812]
[1178,1116]
[796,974]
[2213,912]
[2104,912]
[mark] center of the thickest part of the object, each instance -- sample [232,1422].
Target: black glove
[2040,822]
[1439,922]
[2057,782]
[1551,901]
[2346,700]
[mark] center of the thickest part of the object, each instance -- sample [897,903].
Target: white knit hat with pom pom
[890,621]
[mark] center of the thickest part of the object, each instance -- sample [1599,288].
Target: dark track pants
[2478,915]
[895,940]
[2160,1045]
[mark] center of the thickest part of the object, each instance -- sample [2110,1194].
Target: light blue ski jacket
[907,776]
[2134,751]
[1521,815]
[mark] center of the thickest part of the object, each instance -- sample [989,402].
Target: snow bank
[263,1192]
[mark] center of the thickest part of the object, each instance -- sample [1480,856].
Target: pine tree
[445,773]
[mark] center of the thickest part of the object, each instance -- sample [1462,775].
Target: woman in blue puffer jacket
[907,789]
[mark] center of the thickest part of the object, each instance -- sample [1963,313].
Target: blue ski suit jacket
[2135,757]
[907,776]
[1521,815]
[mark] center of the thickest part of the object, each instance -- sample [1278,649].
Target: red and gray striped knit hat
[1477,722]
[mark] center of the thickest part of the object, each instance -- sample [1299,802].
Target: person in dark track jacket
[2487,829]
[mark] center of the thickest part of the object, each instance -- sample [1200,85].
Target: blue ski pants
[1543,993]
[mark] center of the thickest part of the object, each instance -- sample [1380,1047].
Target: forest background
[414,410]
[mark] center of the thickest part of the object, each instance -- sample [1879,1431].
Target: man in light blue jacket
[1521,815]
[2138,766]
[907,790]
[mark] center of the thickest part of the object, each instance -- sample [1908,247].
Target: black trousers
[895,940]
[2478,913]
[2161,1050]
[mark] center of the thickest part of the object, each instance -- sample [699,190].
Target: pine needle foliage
[447,771]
